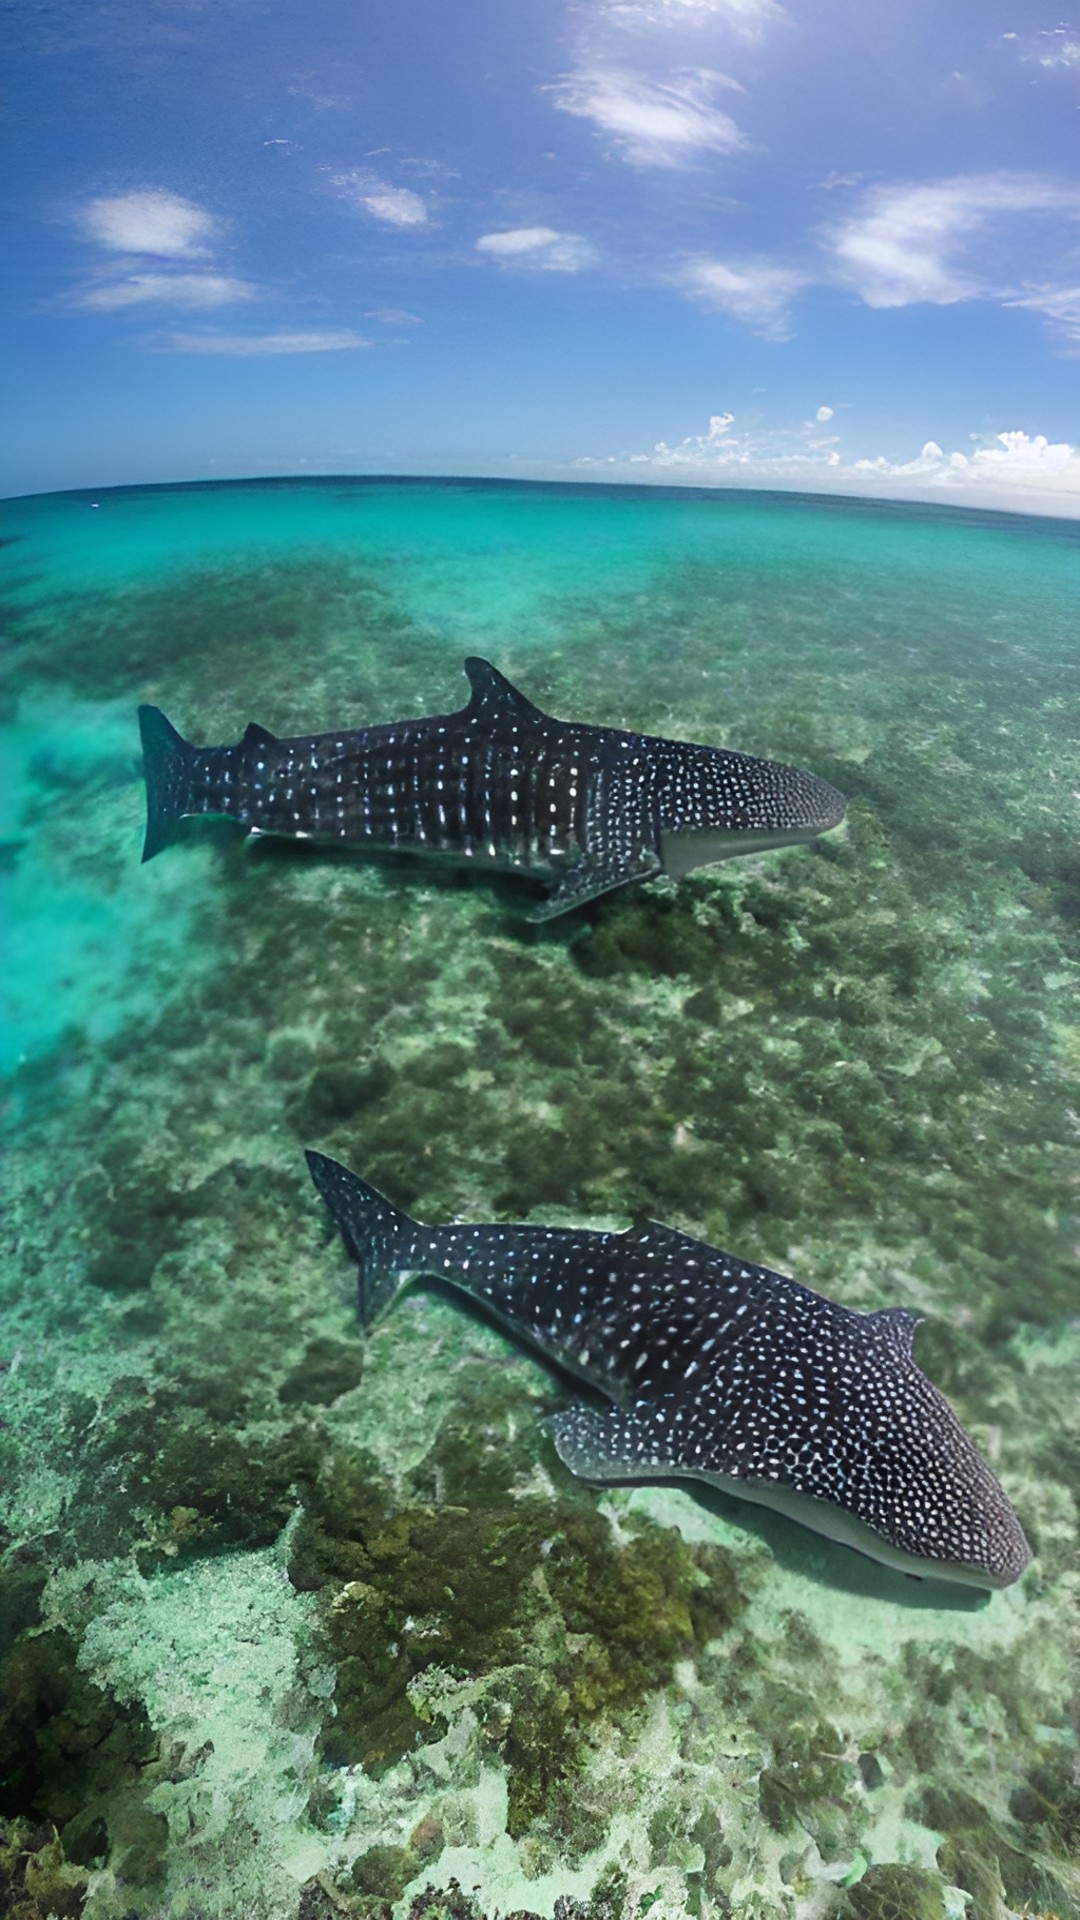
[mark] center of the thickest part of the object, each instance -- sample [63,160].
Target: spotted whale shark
[717,1370]
[582,808]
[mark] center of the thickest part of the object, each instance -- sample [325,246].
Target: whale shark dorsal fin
[657,1237]
[256,736]
[898,1324]
[494,695]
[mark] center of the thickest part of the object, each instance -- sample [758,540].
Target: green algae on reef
[298,1625]
[475,1590]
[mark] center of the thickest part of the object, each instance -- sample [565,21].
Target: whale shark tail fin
[168,761]
[379,1236]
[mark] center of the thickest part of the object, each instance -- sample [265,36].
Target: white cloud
[394,206]
[517,240]
[542,247]
[249,346]
[735,455]
[175,289]
[1011,470]
[1065,54]
[754,291]
[394,317]
[152,221]
[747,19]
[1013,464]
[162,224]
[1016,452]
[929,461]
[1004,456]
[1061,305]
[655,123]
[1051,47]
[906,243]
[397,206]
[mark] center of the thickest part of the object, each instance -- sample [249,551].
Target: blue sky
[828,243]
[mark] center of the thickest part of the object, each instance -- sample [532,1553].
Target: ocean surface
[296,1625]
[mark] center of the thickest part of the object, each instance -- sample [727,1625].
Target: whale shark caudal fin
[169,762]
[380,1238]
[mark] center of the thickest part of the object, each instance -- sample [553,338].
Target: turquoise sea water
[293,1625]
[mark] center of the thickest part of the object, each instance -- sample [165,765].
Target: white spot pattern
[582,806]
[716,1366]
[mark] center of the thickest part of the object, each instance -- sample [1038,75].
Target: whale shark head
[713,804]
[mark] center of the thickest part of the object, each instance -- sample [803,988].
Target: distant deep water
[294,1626]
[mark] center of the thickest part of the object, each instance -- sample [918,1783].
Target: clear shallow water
[857,1063]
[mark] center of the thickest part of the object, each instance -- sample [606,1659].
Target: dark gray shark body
[585,808]
[718,1370]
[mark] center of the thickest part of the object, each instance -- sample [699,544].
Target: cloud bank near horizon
[1012,467]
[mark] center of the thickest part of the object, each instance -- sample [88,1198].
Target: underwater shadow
[826,1563]
[515,895]
[665,930]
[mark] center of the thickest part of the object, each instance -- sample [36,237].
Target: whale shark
[716,1370]
[581,808]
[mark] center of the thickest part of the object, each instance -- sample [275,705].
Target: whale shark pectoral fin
[618,1444]
[592,874]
